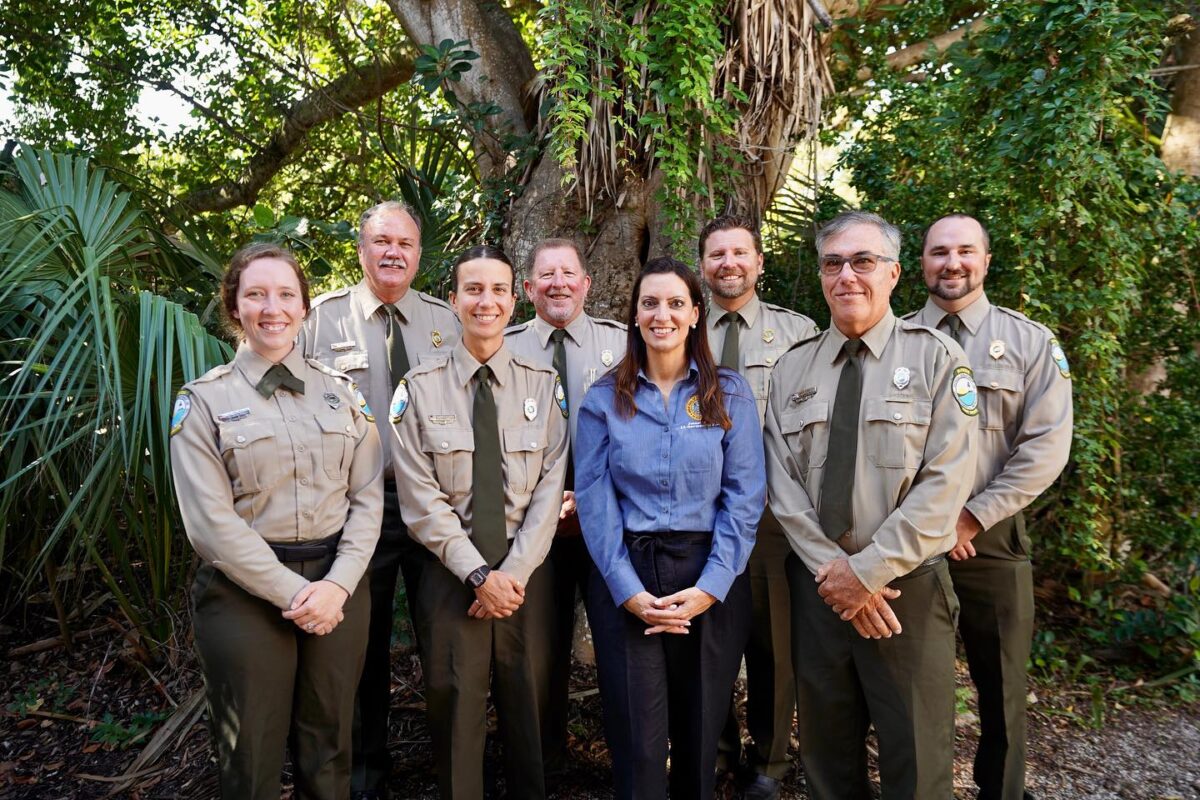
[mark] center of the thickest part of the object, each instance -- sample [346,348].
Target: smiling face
[954,262]
[731,265]
[557,285]
[665,313]
[389,250]
[483,299]
[270,307]
[857,302]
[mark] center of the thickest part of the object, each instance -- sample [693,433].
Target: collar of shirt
[749,313]
[369,303]
[972,316]
[465,365]
[875,339]
[254,366]
[693,373]
[574,329]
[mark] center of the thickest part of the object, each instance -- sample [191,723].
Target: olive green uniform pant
[569,565]
[996,591]
[270,685]
[903,685]
[462,658]
[770,681]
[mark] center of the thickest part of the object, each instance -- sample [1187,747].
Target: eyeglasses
[861,263]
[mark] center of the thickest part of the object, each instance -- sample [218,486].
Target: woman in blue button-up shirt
[670,484]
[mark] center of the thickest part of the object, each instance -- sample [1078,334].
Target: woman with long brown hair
[670,484]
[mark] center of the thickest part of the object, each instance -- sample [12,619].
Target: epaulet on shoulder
[345,290]
[610,323]
[944,339]
[1017,315]
[518,328]
[533,365]
[427,366]
[910,315]
[810,337]
[785,310]
[214,373]
[434,301]
[328,370]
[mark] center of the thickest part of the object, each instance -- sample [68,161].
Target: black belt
[306,551]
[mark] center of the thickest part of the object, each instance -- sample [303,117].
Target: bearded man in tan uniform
[1025,425]
[870,426]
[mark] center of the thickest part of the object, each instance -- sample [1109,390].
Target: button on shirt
[434,441]
[1025,413]
[286,468]
[768,331]
[663,470]
[915,444]
[588,342]
[347,330]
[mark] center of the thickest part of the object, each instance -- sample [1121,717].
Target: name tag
[338,347]
[234,416]
[442,419]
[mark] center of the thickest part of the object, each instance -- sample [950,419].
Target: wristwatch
[477,578]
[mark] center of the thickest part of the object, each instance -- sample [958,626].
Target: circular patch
[1060,358]
[399,401]
[693,407]
[965,392]
[560,396]
[362,403]
[183,406]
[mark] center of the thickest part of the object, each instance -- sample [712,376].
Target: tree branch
[921,51]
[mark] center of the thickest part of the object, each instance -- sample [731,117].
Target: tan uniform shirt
[768,331]
[289,468]
[917,438]
[347,330]
[593,347]
[431,415]
[1025,413]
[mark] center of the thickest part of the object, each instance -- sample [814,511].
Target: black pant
[667,687]
[395,554]
[569,566]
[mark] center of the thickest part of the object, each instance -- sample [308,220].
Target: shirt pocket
[523,451]
[806,431]
[451,450]
[1001,394]
[896,431]
[337,444]
[251,455]
[758,372]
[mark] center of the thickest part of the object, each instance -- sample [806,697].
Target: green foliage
[95,357]
[120,735]
[1032,128]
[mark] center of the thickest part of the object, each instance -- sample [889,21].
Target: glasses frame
[850,260]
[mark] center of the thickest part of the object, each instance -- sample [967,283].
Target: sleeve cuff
[345,574]
[871,569]
[518,569]
[623,583]
[979,510]
[286,588]
[716,580]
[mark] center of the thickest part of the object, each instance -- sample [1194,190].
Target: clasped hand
[868,612]
[317,608]
[670,614]
[500,595]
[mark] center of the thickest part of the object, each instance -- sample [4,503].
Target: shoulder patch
[560,397]
[345,290]
[183,407]
[1060,358]
[400,400]
[966,394]
[362,403]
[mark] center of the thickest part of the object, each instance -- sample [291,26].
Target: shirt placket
[303,458]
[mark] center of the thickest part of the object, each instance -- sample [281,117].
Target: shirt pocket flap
[430,358]
[351,361]
[1005,379]
[794,420]
[898,410]
[529,439]
[761,359]
[336,423]
[447,440]
[244,434]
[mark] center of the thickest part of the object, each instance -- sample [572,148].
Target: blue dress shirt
[663,470]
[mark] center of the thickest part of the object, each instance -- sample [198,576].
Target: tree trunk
[1181,138]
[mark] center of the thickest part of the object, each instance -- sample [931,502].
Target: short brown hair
[555,244]
[730,222]
[244,258]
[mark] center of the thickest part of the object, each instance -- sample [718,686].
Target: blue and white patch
[362,404]
[1060,358]
[399,402]
[183,407]
[560,396]
[966,394]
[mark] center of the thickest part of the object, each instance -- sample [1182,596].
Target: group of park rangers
[896,457]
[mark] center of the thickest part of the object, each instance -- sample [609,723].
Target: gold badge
[996,349]
[606,357]
[436,338]
[693,407]
[768,336]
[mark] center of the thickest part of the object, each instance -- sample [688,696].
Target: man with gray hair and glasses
[375,331]
[871,426]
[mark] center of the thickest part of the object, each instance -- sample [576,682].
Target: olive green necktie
[729,351]
[954,322]
[837,487]
[489,532]
[397,356]
[558,336]
[278,375]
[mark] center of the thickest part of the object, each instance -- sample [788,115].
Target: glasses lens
[864,262]
[832,265]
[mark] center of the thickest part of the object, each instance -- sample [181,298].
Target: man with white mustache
[1025,424]
[375,331]
[749,335]
[580,348]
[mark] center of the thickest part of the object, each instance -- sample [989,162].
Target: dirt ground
[72,725]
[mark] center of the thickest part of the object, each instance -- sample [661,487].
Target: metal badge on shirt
[530,409]
[901,377]
[333,400]
[996,349]
[768,336]
[606,357]
[436,337]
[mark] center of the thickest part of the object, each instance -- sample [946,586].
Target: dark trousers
[462,658]
[396,554]
[770,680]
[270,684]
[568,567]
[667,687]
[903,685]
[996,591]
